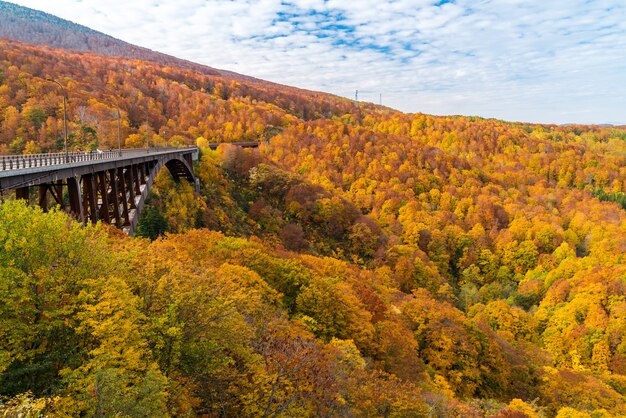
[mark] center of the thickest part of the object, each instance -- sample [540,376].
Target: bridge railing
[249,144]
[25,161]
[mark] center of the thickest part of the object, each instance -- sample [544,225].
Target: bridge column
[22,193]
[57,193]
[130,186]
[138,179]
[122,185]
[104,195]
[76,202]
[115,197]
[143,170]
[43,197]
[90,198]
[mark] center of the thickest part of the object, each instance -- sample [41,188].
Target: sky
[548,61]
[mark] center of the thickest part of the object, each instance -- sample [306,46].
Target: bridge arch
[180,168]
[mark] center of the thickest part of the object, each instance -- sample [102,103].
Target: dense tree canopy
[361,262]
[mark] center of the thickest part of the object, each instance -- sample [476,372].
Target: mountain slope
[35,27]
[40,28]
[159,104]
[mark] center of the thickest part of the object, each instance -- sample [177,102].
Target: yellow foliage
[31,148]
[521,406]
[571,413]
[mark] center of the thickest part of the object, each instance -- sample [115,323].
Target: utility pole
[64,117]
[380,101]
[356,99]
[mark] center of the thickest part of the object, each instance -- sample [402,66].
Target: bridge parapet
[24,161]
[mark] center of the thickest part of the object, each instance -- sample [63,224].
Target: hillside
[35,27]
[361,262]
[39,28]
[159,104]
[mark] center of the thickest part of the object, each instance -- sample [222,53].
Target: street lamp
[119,128]
[64,116]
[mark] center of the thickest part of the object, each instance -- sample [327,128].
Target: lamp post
[64,117]
[147,139]
[119,140]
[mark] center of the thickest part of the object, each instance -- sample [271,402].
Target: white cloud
[558,61]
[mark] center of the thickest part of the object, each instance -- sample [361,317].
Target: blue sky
[552,61]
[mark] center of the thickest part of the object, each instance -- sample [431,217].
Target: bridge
[108,186]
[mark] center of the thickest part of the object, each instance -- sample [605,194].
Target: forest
[361,262]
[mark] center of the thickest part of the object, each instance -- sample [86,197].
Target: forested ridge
[40,28]
[361,262]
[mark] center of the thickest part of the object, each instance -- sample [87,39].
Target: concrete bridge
[108,186]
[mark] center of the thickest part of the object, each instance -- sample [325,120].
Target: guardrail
[24,161]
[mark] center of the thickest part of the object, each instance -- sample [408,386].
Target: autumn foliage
[361,262]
